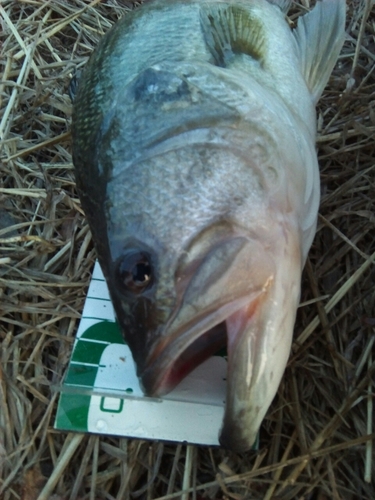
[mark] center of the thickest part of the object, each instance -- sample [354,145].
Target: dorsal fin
[319,38]
[230,30]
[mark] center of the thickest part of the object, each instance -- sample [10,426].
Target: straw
[317,440]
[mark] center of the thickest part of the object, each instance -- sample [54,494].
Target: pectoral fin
[319,38]
[230,30]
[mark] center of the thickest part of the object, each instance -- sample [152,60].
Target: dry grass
[317,440]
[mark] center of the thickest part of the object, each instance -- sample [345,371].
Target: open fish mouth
[171,361]
[174,371]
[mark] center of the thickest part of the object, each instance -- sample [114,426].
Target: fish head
[201,256]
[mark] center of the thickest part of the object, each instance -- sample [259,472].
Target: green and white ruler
[101,393]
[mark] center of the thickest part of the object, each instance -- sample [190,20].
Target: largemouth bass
[194,147]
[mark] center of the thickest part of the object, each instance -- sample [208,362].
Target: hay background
[314,442]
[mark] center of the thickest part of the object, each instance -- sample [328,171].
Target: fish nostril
[134,272]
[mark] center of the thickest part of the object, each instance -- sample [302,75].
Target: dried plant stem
[62,463]
[187,471]
[370,424]
[334,300]
[317,439]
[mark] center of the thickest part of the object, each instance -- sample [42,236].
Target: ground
[317,439]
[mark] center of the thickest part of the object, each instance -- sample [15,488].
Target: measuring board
[101,392]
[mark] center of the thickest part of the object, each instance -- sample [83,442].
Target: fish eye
[134,272]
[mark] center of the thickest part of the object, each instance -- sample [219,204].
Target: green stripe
[73,409]
[106,331]
[81,375]
[88,352]
[72,412]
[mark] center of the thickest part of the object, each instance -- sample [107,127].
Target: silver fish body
[194,148]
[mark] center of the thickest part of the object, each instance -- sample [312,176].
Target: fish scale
[201,201]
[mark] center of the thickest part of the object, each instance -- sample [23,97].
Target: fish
[193,138]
